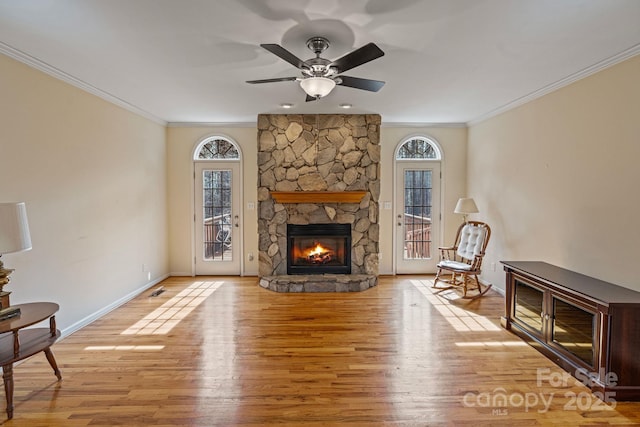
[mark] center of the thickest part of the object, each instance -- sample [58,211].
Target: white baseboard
[180,274]
[98,314]
[495,288]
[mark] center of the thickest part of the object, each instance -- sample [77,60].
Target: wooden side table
[17,343]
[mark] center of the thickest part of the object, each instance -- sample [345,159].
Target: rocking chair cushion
[471,241]
[454,265]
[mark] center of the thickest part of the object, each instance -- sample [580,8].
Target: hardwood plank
[396,354]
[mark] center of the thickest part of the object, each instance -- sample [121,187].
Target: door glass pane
[529,305]
[217,232]
[573,329]
[417,214]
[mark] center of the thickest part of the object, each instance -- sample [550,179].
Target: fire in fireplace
[319,249]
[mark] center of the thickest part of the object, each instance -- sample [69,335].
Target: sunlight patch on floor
[164,318]
[492,344]
[460,319]
[124,347]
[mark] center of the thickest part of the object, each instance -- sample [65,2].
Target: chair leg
[437,278]
[450,281]
[465,279]
[478,287]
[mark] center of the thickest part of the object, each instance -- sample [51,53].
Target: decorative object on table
[14,237]
[9,313]
[466,206]
[4,299]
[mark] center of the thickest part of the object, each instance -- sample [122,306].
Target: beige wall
[93,177]
[181,143]
[557,178]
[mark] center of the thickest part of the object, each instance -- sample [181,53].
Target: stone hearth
[318,153]
[319,282]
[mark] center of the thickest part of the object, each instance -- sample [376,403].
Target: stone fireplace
[320,171]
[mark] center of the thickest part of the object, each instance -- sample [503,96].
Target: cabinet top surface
[579,283]
[30,314]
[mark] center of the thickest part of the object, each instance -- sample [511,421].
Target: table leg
[52,362]
[52,325]
[7,377]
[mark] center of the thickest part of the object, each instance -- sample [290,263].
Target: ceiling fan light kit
[317,86]
[320,75]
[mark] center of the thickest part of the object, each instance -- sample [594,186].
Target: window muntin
[418,148]
[218,148]
[417,214]
[217,211]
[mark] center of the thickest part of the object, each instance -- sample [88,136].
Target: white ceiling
[446,61]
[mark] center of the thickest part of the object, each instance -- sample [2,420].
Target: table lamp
[14,234]
[465,207]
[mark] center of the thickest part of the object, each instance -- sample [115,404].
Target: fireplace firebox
[319,249]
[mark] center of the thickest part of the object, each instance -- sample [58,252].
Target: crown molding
[211,124]
[422,125]
[599,66]
[253,124]
[74,81]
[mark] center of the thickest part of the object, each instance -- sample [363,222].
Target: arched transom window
[217,148]
[418,148]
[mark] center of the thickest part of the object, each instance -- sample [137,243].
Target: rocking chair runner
[463,261]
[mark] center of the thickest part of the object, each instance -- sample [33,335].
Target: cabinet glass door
[528,305]
[574,330]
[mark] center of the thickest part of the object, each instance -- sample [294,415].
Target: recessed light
[345,106]
[286,105]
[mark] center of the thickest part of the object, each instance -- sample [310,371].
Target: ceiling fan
[320,75]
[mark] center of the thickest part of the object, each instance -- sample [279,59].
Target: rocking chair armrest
[446,251]
[477,261]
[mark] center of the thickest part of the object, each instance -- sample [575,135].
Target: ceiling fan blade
[358,83]
[283,53]
[360,56]
[311,98]
[281,79]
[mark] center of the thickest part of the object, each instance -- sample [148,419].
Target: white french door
[417,217]
[217,218]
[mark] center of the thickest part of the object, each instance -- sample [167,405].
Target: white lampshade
[14,228]
[317,86]
[466,206]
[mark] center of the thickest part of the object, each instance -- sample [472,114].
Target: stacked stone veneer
[332,152]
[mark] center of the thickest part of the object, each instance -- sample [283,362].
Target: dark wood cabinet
[589,327]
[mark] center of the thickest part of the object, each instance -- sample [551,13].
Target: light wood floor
[224,352]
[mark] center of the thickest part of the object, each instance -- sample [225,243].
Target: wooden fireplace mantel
[318,196]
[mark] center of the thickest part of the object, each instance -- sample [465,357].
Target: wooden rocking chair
[462,262]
